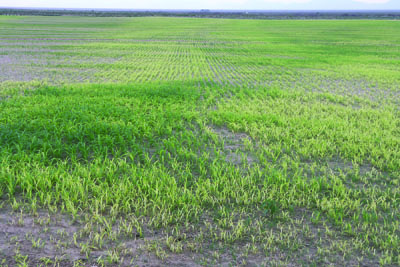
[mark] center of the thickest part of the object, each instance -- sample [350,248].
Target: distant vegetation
[206,13]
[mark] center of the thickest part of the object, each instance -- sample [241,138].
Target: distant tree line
[205,13]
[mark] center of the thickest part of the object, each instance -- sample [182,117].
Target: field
[179,141]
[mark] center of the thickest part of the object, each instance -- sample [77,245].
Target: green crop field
[177,141]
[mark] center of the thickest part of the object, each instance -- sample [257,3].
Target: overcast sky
[208,4]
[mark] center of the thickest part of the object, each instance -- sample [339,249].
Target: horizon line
[200,9]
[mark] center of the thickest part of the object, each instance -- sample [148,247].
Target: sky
[211,4]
